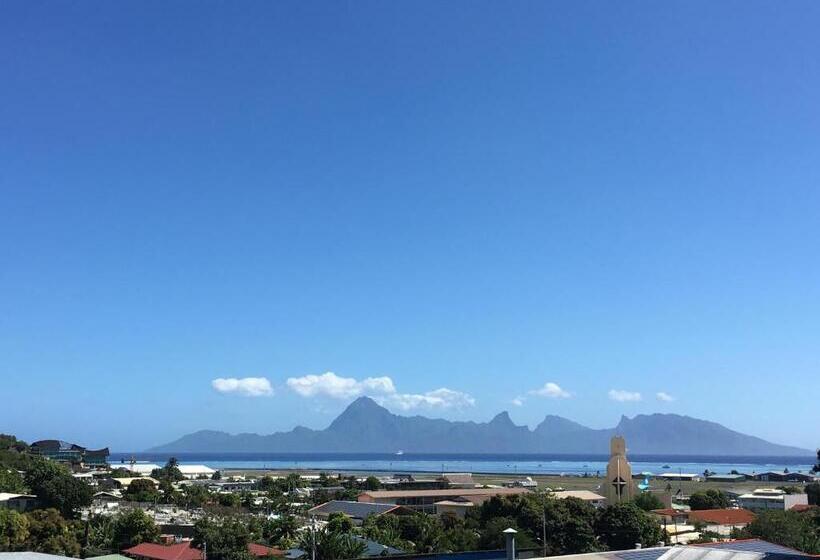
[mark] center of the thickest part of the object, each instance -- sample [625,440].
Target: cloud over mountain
[245,386]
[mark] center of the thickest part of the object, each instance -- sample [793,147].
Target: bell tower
[618,487]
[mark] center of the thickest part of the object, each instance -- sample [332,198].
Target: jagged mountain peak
[367,427]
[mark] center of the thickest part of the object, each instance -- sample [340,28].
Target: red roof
[669,511]
[179,551]
[184,551]
[262,550]
[803,507]
[722,516]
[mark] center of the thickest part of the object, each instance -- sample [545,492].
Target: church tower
[618,486]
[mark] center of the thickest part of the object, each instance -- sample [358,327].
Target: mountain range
[366,427]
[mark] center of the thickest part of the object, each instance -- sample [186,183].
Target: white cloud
[381,388]
[665,397]
[518,401]
[624,396]
[552,391]
[246,386]
[331,385]
[440,398]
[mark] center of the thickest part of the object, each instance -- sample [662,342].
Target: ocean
[515,464]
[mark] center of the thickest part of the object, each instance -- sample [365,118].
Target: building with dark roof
[184,551]
[357,511]
[425,500]
[70,453]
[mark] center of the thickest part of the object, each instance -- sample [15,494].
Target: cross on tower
[619,484]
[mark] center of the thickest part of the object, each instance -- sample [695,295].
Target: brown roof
[802,507]
[722,516]
[184,551]
[669,511]
[466,492]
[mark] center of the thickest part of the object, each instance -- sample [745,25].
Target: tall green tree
[710,499]
[54,486]
[141,490]
[329,545]
[226,538]
[132,528]
[648,501]
[622,526]
[813,491]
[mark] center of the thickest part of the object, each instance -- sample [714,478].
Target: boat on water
[666,467]
[399,452]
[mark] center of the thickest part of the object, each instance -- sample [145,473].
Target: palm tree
[330,545]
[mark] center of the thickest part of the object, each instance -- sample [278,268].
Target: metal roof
[356,510]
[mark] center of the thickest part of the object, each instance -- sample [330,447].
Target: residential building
[357,511]
[784,476]
[771,498]
[722,521]
[586,495]
[18,502]
[184,551]
[425,500]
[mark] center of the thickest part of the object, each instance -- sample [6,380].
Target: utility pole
[312,538]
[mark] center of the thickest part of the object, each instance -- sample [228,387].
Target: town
[63,500]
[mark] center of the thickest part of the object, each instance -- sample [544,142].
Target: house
[18,502]
[784,476]
[139,469]
[184,551]
[726,478]
[357,511]
[196,471]
[425,500]
[722,521]
[771,498]
[70,453]
[683,477]
[124,483]
[585,495]
[458,480]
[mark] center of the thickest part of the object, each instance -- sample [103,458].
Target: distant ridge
[366,427]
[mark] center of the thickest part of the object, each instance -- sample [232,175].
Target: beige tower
[618,486]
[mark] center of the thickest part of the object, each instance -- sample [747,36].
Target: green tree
[51,533]
[710,499]
[281,532]
[229,500]
[330,545]
[14,530]
[132,528]
[648,501]
[169,472]
[226,538]
[338,522]
[813,491]
[11,481]
[194,496]
[787,528]
[54,486]
[141,490]
[266,483]
[121,472]
[372,483]
[621,526]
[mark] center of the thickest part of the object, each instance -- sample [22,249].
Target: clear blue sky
[481,197]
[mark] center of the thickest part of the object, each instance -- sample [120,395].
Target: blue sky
[613,198]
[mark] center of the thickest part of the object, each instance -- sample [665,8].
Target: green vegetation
[141,490]
[54,487]
[709,499]
[788,528]
[648,501]
[226,538]
[813,491]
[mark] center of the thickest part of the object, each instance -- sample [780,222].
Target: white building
[196,471]
[771,498]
